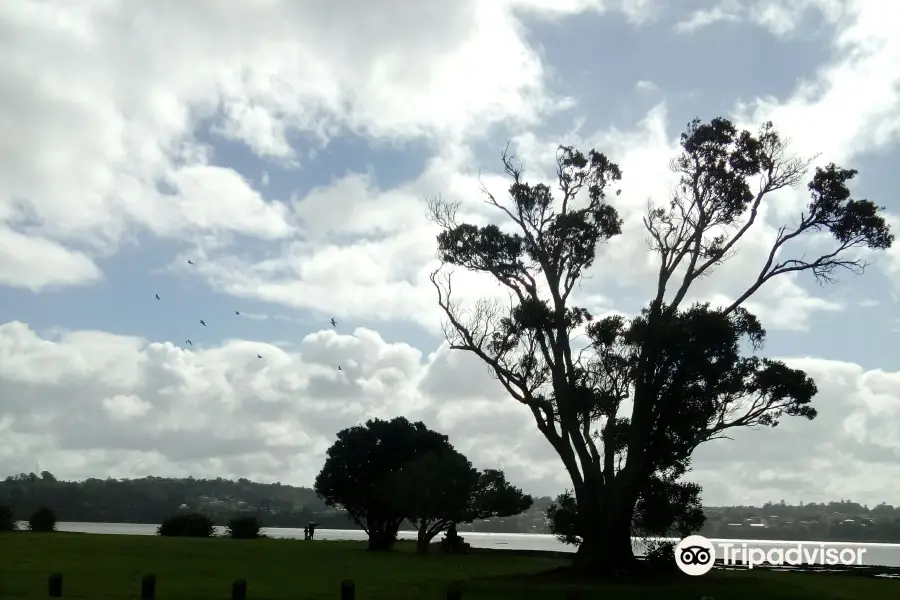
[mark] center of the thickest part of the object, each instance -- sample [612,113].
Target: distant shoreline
[464,532]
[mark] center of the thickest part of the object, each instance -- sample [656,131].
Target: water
[887,555]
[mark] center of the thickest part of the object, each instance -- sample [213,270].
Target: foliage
[357,464]
[106,567]
[442,488]
[190,524]
[681,365]
[244,528]
[660,557]
[562,515]
[152,499]
[668,507]
[43,520]
[453,543]
[8,518]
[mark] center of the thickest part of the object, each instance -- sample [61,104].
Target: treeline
[842,521]
[153,499]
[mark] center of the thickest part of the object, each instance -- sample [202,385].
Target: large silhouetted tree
[358,463]
[680,364]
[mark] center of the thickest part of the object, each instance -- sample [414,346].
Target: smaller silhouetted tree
[43,520]
[190,524]
[357,464]
[244,528]
[439,489]
[8,519]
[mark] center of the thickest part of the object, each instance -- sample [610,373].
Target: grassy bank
[111,566]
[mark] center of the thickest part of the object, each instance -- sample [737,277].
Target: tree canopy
[633,402]
[385,472]
[357,464]
[443,488]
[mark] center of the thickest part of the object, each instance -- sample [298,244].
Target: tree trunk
[423,539]
[379,541]
[605,522]
[606,547]
[382,537]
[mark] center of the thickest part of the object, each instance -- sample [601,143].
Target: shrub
[187,525]
[43,520]
[7,519]
[244,528]
[660,557]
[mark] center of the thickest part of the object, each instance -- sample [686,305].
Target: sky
[287,149]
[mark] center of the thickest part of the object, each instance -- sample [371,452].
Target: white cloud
[646,87]
[850,448]
[727,11]
[36,263]
[781,18]
[103,102]
[86,403]
[123,408]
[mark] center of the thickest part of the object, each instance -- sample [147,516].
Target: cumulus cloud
[88,402]
[103,102]
[36,263]
[386,224]
[780,18]
[109,110]
[646,87]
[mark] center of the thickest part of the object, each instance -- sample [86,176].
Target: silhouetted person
[306,532]
[452,536]
[312,530]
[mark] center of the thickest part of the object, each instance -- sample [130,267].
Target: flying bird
[190,263]
[202,322]
[188,342]
[333,323]
[157,296]
[259,356]
[339,368]
[237,312]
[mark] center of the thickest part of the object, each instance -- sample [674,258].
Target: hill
[152,499]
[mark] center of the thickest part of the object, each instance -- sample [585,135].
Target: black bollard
[148,587]
[54,585]
[454,592]
[239,590]
[348,590]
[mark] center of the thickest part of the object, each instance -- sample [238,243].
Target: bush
[187,525]
[43,520]
[660,557]
[7,519]
[244,528]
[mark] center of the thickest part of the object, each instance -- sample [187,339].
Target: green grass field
[96,567]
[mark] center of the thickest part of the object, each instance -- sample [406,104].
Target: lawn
[111,566]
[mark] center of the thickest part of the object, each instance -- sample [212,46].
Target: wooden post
[54,585]
[148,587]
[239,590]
[348,590]
[454,592]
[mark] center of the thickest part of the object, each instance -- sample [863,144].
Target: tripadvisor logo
[696,555]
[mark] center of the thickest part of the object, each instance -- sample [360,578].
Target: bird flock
[238,313]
